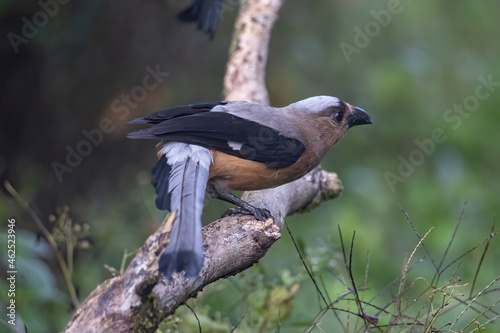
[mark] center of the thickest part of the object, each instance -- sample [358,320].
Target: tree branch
[246,68]
[139,299]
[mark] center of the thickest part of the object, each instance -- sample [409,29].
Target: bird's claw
[259,213]
[234,211]
[262,214]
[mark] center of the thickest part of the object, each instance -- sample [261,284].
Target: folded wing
[224,132]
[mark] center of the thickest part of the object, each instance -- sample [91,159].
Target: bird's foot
[259,213]
[234,211]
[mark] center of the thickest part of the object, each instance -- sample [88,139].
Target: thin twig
[365,316]
[492,234]
[474,299]
[485,323]
[48,236]
[418,235]
[239,322]
[195,315]
[405,270]
[466,253]
[446,299]
[449,245]
[482,314]
[305,266]
[367,267]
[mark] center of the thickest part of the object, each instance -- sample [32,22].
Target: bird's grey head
[317,104]
[343,114]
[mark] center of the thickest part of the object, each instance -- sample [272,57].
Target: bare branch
[245,73]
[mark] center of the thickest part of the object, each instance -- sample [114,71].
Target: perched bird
[206,12]
[234,146]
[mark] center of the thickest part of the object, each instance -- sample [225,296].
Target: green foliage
[256,304]
[65,236]
[433,291]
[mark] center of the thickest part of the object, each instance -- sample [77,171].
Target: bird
[206,12]
[234,146]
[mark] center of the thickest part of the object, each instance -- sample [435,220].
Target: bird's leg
[219,189]
[243,207]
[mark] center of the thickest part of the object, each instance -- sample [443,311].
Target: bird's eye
[339,116]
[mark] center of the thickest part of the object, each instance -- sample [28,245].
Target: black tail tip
[190,262]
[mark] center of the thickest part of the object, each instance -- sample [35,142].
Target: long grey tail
[186,187]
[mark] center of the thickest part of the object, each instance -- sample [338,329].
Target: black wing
[183,110]
[206,12]
[226,133]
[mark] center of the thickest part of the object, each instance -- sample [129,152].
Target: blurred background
[74,74]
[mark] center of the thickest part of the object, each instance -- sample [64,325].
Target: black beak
[359,117]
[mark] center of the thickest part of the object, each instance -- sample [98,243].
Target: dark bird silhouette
[206,12]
